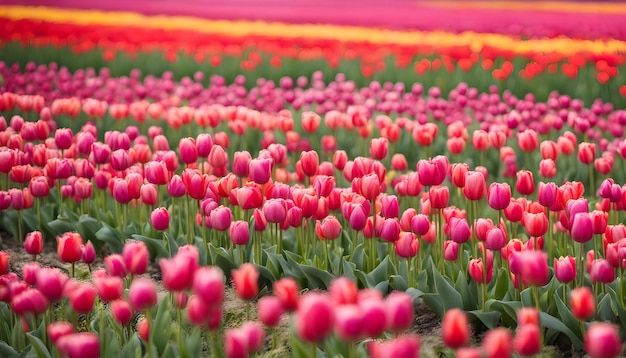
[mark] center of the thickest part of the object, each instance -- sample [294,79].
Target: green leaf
[6,351]
[462,288]
[449,296]
[435,303]
[172,244]
[567,317]
[554,323]
[508,309]
[616,302]
[348,270]
[415,293]
[38,346]
[490,319]
[61,225]
[398,283]
[300,349]
[381,272]
[111,237]
[155,247]
[605,312]
[357,256]
[317,278]
[131,347]
[502,284]
[160,335]
[88,227]
[193,344]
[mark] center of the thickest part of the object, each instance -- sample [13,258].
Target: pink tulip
[142,294]
[602,341]
[315,318]
[399,311]
[208,284]
[79,345]
[270,310]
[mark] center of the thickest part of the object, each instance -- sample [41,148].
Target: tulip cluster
[274,194]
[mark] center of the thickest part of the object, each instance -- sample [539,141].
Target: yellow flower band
[240,28]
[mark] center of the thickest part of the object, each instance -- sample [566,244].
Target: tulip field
[236,188]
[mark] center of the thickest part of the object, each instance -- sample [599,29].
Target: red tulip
[178,272]
[143,329]
[349,323]
[121,312]
[245,280]
[480,140]
[498,343]
[379,148]
[315,318]
[208,284]
[33,243]
[407,245]
[404,346]
[29,272]
[439,197]
[115,265]
[581,229]
[270,310]
[59,329]
[310,163]
[343,291]
[582,303]
[187,150]
[82,298]
[525,184]
[565,269]
[536,224]
[528,140]
[450,250]
[586,152]
[142,294]
[601,271]
[69,247]
[51,282]
[79,345]
[136,256]
[527,340]
[455,329]
[310,121]
[286,289]
[30,301]
[399,306]
[109,288]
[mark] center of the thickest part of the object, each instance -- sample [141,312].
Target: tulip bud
[455,330]
[399,306]
[142,294]
[315,318]
[582,302]
[33,243]
[270,310]
[286,289]
[245,280]
[602,341]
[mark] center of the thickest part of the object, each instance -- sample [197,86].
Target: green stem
[73,264]
[189,220]
[535,290]
[149,343]
[582,264]
[19,226]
